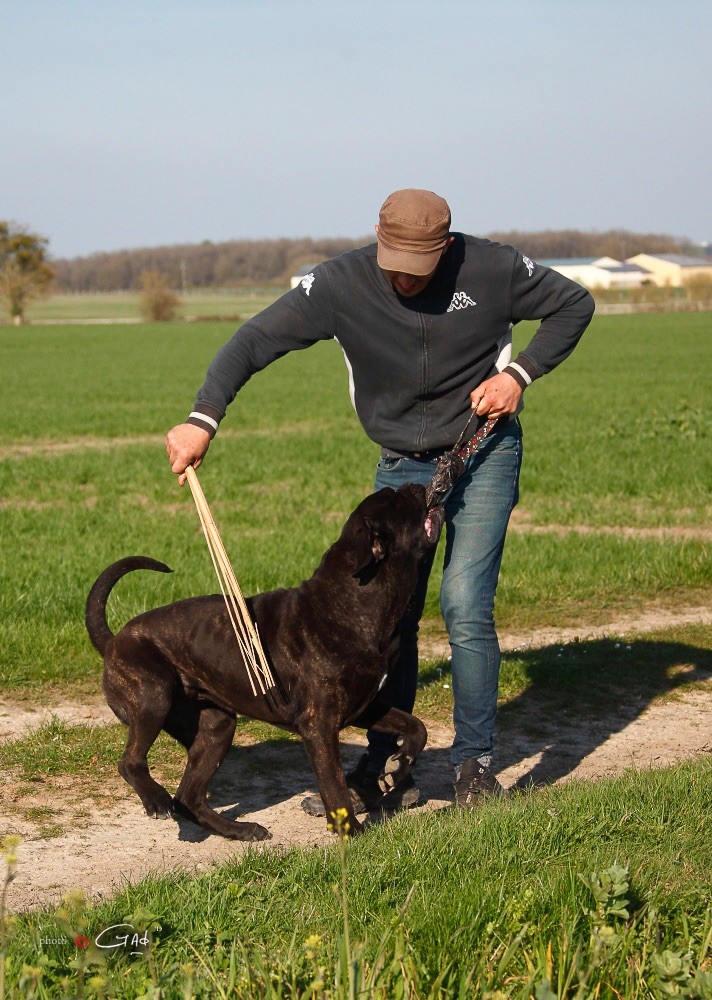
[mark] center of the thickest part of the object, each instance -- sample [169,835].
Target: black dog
[329,643]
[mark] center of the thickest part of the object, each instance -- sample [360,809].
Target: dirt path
[265,783]
[522,523]
[42,448]
[115,842]
[675,532]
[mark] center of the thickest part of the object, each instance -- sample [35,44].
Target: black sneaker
[366,796]
[475,783]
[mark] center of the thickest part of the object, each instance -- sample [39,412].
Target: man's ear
[372,546]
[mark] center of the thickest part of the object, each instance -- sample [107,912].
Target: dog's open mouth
[433,523]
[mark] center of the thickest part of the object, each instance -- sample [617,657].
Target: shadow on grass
[570,699]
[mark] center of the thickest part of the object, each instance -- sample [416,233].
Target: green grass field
[613,518]
[591,890]
[618,437]
[212,303]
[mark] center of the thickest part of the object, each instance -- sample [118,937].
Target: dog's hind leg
[141,697]
[206,751]
[411,735]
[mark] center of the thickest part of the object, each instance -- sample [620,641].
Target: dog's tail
[95,616]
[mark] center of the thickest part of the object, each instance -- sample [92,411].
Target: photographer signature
[131,940]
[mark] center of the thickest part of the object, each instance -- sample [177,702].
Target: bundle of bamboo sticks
[245,629]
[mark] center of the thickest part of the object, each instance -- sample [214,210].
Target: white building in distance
[601,272]
[671,269]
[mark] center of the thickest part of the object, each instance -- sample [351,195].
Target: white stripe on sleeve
[206,419]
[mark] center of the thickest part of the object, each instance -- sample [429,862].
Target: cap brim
[407,263]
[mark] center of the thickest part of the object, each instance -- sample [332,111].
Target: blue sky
[129,124]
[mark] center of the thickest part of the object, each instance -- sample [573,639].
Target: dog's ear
[373,544]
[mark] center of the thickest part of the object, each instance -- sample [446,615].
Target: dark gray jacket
[412,361]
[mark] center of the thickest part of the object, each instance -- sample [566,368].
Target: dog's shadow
[573,699]
[259,776]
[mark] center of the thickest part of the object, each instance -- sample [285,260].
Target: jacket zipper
[424,382]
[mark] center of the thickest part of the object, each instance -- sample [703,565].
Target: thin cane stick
[243,626]
[237,609]
[230,602]
[259,660]
[232,610]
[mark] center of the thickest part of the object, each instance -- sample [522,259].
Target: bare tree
[24,271]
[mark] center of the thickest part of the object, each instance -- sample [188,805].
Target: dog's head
[391,525]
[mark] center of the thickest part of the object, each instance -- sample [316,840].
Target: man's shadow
[579,695]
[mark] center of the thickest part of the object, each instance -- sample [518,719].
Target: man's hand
[186,445]
[496,396]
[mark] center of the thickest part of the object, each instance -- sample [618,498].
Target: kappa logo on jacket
[529,264]
[307,281]
[460,300]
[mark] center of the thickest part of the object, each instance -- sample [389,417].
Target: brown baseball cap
[413,230]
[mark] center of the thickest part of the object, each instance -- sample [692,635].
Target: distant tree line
[616,243]
[263,262]
[198,265]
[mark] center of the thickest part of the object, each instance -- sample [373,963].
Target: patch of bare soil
[74,840]
[661,533]
[18,719]
[523,521]
[47,447]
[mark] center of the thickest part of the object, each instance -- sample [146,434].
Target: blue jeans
[477,511]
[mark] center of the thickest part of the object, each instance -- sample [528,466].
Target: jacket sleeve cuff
[522,371]
[205,417]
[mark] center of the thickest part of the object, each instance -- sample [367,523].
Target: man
[424,318]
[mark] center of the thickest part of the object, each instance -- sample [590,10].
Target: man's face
[409,285]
